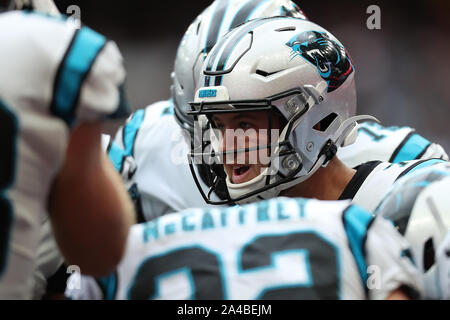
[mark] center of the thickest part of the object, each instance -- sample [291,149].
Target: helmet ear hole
[325,123]
[428,254]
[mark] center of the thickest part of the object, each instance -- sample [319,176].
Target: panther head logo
[330,58]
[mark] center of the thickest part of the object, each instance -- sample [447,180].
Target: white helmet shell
[214,22]
[266,59]
[419,206]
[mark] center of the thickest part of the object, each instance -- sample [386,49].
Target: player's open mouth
[240,174]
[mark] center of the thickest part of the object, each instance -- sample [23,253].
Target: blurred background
[402,70]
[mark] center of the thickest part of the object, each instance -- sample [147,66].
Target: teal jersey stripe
[78,61]
[108,286]
[116,155]
[131,129]
[356,224]
[412,149]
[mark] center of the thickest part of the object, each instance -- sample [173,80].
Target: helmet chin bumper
[238,190]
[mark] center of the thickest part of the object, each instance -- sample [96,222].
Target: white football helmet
[214,22]
[419,206]
[295,68]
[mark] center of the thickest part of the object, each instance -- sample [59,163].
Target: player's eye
[245,125]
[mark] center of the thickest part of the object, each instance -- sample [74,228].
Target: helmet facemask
[284,164]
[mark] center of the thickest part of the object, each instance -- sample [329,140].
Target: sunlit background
[402,70]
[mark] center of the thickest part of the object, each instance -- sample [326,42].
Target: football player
[57,85]
[278,249]
[284,89]
[160,135]
[419,207]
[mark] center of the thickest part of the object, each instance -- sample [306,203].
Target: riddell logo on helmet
[209,93]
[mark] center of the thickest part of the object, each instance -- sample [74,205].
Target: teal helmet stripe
[241,16]
[215,25]
[232,44]
[245,12]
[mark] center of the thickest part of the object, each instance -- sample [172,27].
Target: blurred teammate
[279,249]
[56,86]
[419,206]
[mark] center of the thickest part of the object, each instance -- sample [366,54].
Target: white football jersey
[388,144]
[373,180]
[283,248]
[53,77]
[159,147]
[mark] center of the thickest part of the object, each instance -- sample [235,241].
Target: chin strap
[305,177]
[329,151]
